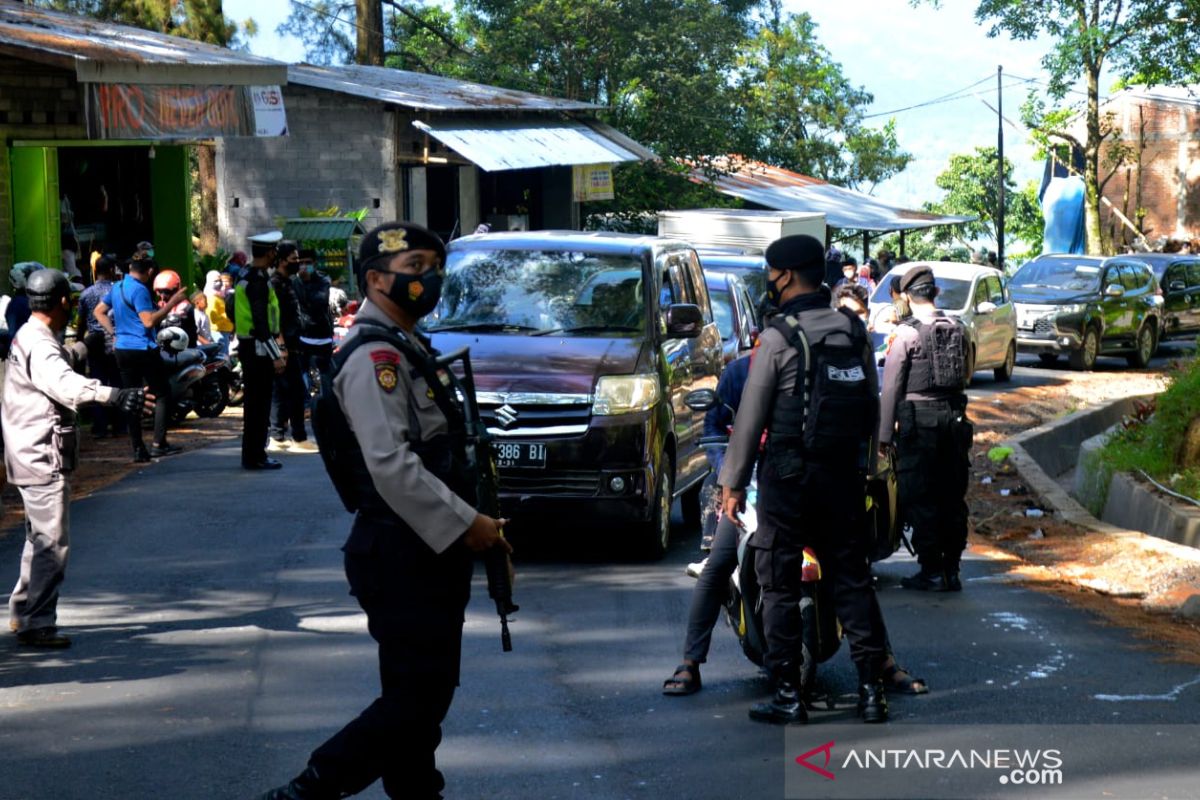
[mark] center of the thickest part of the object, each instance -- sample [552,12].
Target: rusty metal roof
[107,52]
[500,144]
[423,92]
[773,187]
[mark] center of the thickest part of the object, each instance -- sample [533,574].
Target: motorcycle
[194,375]
[822,632]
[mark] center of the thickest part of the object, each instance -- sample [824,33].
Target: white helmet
[173,339]
[21,272]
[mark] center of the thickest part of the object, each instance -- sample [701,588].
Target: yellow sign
[593,182]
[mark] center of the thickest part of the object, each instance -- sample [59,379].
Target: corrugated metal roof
[310,229]
[780,189]
[107,52]
[500,144]
[423,92]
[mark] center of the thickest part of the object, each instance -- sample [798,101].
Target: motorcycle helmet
[172,339]
[21,272]
[167,280]
[46,289]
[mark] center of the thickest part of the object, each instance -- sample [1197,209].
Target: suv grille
[1043,327]
[564,483]
[536,420]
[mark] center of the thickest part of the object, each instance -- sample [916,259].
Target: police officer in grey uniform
[41,393]
[410,553]
[924,415]
[819,504]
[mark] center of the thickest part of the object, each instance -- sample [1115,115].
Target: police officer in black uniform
[410,552]
[821,502]
[924,414]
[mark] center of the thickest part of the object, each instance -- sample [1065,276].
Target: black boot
[305,786]
[927,580]
[872,702]
[787,707]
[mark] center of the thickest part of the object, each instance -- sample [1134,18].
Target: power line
[961,94]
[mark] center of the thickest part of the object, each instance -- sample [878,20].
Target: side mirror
[986,307]
[1113,290]
[1177,286]
[684,321]
[700,399]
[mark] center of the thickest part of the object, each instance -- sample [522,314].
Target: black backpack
[945,342]
[837,402]
[338,446]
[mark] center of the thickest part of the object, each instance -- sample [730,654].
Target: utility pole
[369,16]
[1000,168]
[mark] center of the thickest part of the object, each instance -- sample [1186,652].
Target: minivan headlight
[624,394]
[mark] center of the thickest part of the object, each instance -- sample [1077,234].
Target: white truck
[749,231]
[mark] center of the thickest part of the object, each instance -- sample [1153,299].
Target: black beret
[396,237]
[802,253]
[918,276]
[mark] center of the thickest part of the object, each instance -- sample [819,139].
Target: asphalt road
[215,645]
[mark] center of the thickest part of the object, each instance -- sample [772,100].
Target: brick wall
[339,151]
[1170,168]
[36,102]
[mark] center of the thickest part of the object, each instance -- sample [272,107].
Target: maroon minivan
[583,346]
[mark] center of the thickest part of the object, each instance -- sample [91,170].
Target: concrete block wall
[338,151]
[36,102]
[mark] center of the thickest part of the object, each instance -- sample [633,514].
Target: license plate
[520,455]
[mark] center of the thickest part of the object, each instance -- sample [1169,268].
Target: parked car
[734,312]
[979,297]
[1087,306]
[750,267]
[1178,277]
[583,347]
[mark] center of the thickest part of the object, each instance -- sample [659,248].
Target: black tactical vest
[938,362]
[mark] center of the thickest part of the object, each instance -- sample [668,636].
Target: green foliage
[208,262]
[1153,447]
[200,20]
[330,212]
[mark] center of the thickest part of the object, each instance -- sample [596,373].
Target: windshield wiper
[480,327]
[585,328]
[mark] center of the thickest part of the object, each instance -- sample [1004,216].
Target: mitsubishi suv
[583,346]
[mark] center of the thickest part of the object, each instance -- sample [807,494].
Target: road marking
[1169,697]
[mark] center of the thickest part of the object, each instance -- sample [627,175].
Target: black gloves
[131,401]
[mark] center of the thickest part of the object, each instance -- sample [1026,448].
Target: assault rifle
[483,465]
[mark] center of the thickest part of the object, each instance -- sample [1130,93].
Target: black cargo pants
[822,508]
[415,601]
[933,460]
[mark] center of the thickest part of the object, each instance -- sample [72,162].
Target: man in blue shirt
[134,320]
[102,364]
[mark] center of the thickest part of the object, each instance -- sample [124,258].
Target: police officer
[410,551]
[41,393]
[260,348]
[924,414]
[821,501]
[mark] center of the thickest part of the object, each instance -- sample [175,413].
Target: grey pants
[34,600]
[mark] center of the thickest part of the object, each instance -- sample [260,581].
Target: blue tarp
[1062,208]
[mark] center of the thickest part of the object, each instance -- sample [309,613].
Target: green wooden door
[36,227]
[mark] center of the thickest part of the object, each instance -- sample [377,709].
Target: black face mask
[418,295]
[774,292]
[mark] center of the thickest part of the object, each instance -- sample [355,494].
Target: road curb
[1057,435]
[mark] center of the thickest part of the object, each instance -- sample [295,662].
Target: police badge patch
[386,372]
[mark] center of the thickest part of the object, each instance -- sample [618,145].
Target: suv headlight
[1072,308]
[624,394]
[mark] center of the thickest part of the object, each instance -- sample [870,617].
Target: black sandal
[897,679]
[676,686]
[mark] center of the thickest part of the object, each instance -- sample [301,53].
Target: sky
[903,55]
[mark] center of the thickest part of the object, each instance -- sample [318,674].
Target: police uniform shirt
[41,393]
[386,406]
[773,372]
[895,371]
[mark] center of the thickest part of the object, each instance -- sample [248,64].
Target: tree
[801,113]
[1151,39]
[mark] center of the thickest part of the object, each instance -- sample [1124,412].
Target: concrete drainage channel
[1065,453]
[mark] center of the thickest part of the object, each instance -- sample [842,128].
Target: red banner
[151,111]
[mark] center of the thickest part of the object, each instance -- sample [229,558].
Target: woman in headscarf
[222,326]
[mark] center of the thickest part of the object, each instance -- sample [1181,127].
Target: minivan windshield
[531,291]
[952,296]
[1058,273]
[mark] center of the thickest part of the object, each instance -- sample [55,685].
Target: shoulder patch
[385,356]
[386,376]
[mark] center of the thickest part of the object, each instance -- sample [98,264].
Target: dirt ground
[1131,589]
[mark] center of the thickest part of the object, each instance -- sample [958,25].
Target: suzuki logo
[506,415]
